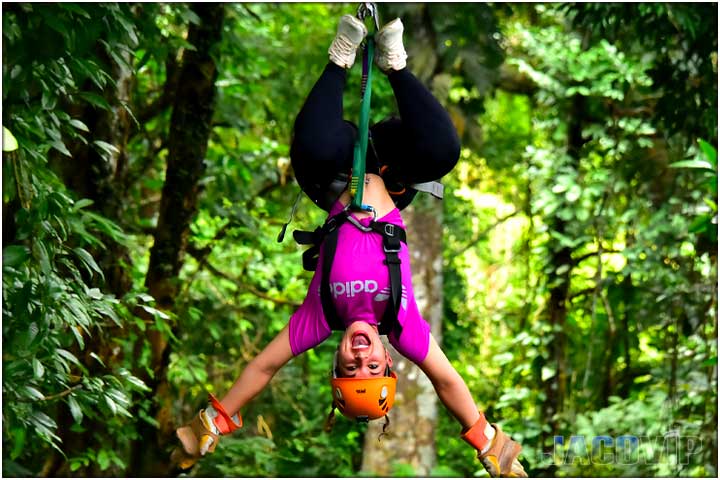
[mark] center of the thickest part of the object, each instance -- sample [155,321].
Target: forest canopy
[146,176]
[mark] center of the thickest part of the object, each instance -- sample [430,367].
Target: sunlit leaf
[38,368]
[10,144]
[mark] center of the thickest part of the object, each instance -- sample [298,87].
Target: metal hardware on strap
[436,189]
[358,225]
[369,9]
[281,235]
[394,248]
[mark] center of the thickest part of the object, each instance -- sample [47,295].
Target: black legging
[420,146]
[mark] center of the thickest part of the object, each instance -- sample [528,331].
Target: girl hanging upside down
[362,280]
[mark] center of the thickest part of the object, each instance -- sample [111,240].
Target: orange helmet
[364,399]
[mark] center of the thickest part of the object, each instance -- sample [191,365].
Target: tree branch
[582,258]
[251,13]
[166,98]
[484,233]
[197,254]
[581,293]
[64,393]
[512,81]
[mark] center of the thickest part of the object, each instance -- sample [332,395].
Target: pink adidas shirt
[360,285]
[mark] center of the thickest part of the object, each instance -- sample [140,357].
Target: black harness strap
[331,315]
[327,235]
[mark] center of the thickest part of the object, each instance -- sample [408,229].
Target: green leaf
[150,420]
[95,293]
[82,203]
[106,147]
[15,255]
[88,260]
[33,393]
[145,297]
[111,404]
[136,382]
[79,310]
[97,357]
[67,355]
[10,144]
[18,436]
[60,147]
[78,337]
[71,7]
[79,125]
[75,409]
[547,373]
[118,397]
[43,257]
[103,460]
[503,358]
[697,164]
[573,193]
[155,312]
[709,151]
[41,418]
[95,100]
[38,369]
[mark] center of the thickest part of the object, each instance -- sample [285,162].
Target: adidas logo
[353,287]
[384,295]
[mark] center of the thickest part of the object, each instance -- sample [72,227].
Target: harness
[327,235]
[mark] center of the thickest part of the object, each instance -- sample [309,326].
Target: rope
[357,180]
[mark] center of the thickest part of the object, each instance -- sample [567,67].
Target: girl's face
[361,353]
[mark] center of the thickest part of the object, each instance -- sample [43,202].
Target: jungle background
[571,270]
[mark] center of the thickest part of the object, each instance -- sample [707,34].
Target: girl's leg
[422,145]
[322,145]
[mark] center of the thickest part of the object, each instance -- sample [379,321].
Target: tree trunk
[187,144]
[412,431]
[561,261]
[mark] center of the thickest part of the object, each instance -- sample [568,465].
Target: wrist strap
[475,435]
[224,422]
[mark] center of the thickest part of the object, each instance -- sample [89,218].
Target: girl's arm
[258,372]
[449,385]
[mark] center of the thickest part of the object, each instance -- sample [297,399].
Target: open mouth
[360,341]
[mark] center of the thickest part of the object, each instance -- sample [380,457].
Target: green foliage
[54,305]
[635,208]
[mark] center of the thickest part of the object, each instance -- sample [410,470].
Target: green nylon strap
[357,180]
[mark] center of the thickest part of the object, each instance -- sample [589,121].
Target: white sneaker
[390,53]
[350,34]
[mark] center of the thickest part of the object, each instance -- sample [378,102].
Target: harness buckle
[357,224]
[330,225]
[389,249]
[389,229]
